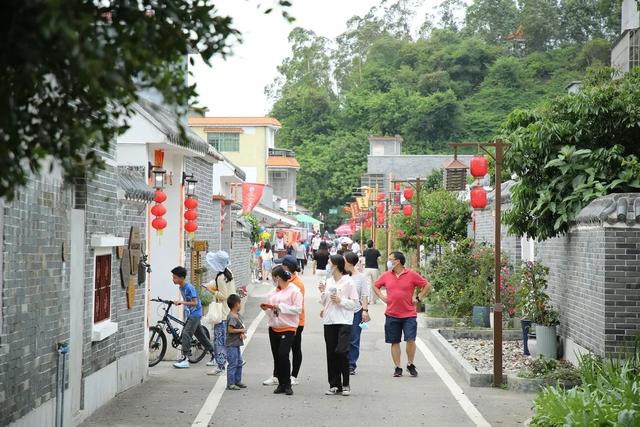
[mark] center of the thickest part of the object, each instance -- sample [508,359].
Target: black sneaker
[279,390]
[288,390]
[352,371]
[397,372]
[412,370]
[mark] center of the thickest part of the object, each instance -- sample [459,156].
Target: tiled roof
[282,162]
[234,121]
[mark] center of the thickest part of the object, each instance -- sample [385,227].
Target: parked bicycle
[158,339]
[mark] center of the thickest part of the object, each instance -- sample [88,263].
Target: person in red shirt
[400,315]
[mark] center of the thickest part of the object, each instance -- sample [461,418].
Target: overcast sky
[235,86]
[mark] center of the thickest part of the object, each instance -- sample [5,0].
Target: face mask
[389,265]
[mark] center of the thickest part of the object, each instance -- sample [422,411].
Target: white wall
[630,16]
[251,172]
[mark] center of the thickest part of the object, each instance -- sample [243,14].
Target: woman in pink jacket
[283,307]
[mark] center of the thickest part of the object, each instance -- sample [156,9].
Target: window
[223,141]
[634,49]
[279,175]
[102,289]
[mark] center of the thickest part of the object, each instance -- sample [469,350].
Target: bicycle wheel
[157,345]
[198,352]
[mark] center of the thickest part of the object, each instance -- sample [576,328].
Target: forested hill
[455,80]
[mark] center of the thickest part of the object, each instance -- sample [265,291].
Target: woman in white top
[339,298]
[267,260]
[221,287]
[362,309]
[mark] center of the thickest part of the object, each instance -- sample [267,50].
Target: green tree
[571,151]
[491,20]
[541,21]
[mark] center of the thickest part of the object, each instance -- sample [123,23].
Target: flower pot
[546,341]
[480,316]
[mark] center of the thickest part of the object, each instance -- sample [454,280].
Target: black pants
[338,339]
[296,348]
[192,327]
[281,343]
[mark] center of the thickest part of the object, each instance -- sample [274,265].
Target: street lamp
[500,149]
[416,184]
[158,177]
[189,183]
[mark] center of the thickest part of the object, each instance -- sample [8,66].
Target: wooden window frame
[105,315]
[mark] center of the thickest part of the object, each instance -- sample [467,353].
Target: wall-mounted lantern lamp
[189,183]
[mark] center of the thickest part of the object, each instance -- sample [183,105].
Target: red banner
[251,195]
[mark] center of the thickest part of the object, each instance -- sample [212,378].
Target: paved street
[178,398]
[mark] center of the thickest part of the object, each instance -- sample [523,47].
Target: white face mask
[389,265]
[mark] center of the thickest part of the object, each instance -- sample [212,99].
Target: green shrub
[551,369]
[609,396]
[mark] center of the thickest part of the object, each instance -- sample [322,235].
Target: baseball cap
[289,261]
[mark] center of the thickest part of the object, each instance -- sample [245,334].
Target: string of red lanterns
[479,166]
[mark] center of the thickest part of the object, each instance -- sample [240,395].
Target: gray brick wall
[485,232]
[35,294]
[240,253]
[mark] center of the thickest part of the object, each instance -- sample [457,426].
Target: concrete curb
[459,363]
[485,334]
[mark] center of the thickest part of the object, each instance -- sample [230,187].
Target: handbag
[215,314]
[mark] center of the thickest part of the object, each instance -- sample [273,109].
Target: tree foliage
[452,82]
[571,151]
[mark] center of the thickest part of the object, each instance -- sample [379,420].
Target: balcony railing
[281,152]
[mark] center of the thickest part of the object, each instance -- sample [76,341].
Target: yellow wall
[253,151]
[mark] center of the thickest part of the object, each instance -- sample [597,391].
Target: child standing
[235,339]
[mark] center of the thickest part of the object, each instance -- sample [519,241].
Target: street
[436,398]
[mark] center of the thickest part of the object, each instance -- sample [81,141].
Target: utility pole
[418,188]
[498,156]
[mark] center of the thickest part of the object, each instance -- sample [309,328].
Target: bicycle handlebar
[162,300]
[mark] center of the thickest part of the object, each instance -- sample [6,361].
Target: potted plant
[535,306]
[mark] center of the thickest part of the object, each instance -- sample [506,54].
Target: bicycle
[158,339]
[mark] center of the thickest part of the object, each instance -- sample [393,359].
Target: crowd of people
[346,289]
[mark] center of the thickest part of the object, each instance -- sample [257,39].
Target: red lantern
[478,197]
[408,193]
[395,209]
[479,166]
[159,223]
[380,219]
[190,227]
[381,196]
[396,186]
[158,210]
[380,208]
[191,203]
[407,210]
[191,215]
[160,196]
[367,223]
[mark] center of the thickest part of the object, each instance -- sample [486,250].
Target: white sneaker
[270,381]
[216,371]
[183,364]
[346,391]
[212,362]
[332,391]
[294,381]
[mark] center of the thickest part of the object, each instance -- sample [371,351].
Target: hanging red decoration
[380,208]
[479,166]
[159,223]
[407,210]
[191,215]
[190,227]
[191,203]
[395,209]
[381,196]
[367,223]
[396,186]
[478,197]
[158,210]
[159,196]
[408,193]
[380,219]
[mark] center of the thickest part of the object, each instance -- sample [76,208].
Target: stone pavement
[173,397]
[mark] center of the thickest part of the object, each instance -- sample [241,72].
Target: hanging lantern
[381,196]
[190,227]
[158,210]
[380,219]
[380,208]
[191,203]
[408,193]
[159,196]
[367,223]
[407,210]
[396,186]
[478,197]
[191,215]
[158,177]
[479,166]
[189,183]
[159,223]
[455,175]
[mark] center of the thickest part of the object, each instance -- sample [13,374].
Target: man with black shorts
[401,300]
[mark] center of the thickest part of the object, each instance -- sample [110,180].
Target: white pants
[372,275]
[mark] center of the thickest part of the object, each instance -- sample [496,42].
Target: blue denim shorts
[395,328]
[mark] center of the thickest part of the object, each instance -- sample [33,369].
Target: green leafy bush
[609,396]
[555,370]
[463,276]
[533,301]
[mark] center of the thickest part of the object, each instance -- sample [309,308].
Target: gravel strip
[480,354]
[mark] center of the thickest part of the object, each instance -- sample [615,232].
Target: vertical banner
[251,195]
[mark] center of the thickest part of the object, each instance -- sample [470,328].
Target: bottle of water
[364,325]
